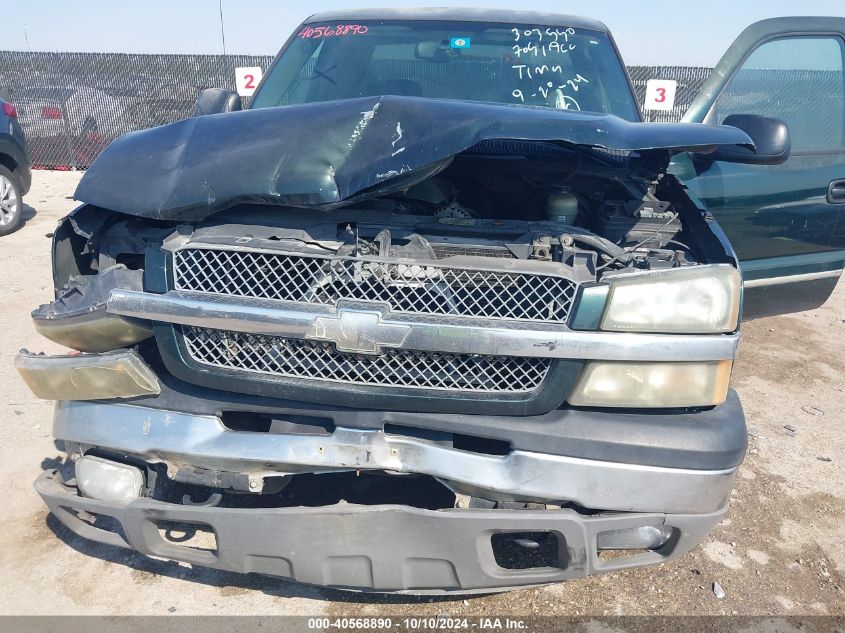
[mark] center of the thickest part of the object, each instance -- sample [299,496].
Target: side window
[797,79]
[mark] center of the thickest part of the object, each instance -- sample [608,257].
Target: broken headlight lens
[694,300]
[118,374]
[652,385]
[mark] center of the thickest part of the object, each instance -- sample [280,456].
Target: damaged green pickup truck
[438,312]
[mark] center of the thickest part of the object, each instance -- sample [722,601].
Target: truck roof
[502,16]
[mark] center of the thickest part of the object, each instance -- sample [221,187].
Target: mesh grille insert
[405,287]
[442,251]
[294,358]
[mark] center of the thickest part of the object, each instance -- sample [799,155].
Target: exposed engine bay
[589,212]
[481,210]
[395,177]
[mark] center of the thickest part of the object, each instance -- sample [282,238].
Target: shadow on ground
[27,213]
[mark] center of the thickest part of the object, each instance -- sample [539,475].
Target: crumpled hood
[322,154]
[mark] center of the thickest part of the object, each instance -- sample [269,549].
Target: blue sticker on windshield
[459,42]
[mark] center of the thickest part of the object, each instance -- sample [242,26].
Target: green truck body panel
[785,226]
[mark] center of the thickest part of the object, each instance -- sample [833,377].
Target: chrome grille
[294,358]
[405,287]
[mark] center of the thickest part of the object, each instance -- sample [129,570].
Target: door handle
[836,192]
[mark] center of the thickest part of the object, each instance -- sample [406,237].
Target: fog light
[105,480]
[118,374]
[644,537]
[652,385]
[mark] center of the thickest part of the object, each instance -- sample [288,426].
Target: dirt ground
[781,550]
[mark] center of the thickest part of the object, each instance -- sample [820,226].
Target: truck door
[786,222]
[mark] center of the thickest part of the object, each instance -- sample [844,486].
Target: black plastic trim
[382,548]
[763,301]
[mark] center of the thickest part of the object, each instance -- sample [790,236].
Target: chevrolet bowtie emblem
[360,331]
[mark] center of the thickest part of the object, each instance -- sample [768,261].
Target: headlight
[117,374]
[694,300]
[652,385]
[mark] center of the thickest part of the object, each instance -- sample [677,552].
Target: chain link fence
[71,105]
[689,78]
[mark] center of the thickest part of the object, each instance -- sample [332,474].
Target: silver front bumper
[181,439]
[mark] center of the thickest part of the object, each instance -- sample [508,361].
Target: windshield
[518,64]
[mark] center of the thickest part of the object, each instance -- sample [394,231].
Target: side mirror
[216,101]
[770,137]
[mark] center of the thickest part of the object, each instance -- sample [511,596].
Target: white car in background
[69,125]
[50,110]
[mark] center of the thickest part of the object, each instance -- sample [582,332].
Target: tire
[11,202]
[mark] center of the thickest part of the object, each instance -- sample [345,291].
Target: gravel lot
[780,551]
